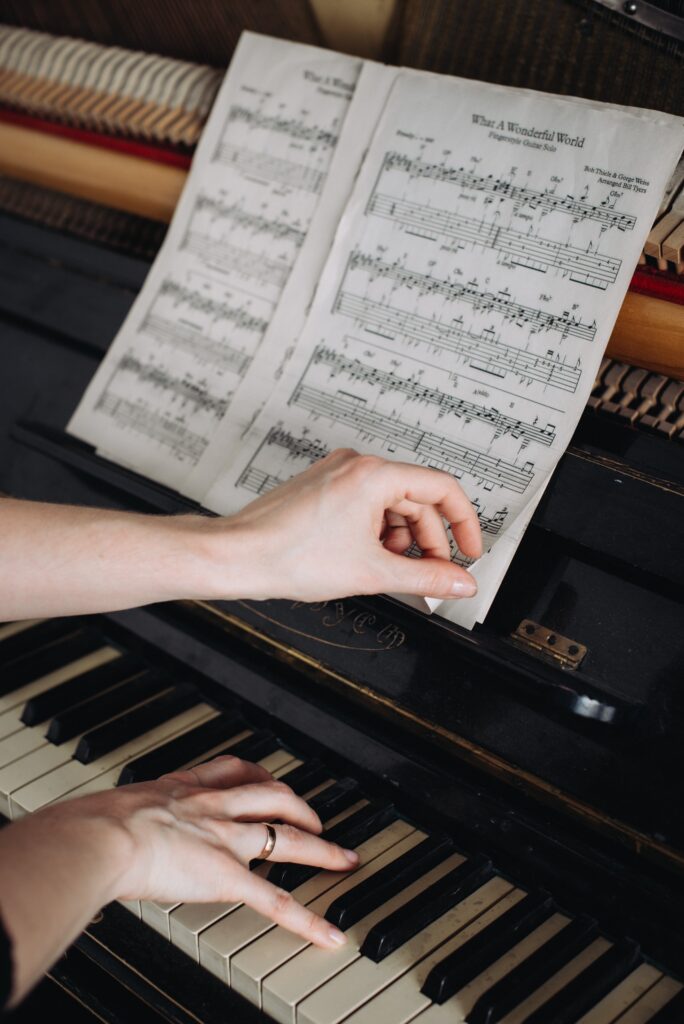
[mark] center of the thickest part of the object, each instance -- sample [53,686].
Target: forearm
[56,874]
[60,559]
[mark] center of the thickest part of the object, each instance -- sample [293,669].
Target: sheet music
[287,322]
[241,224]
[471,290]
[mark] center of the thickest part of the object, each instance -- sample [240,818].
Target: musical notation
[483,351]
[500,302]
[237,261]
[259,480]
[446,405]
[256,223]
[186,339]
[503,188]
[195,396]
[430,448]
[182,443]
[269,169]
[239,316]
[292,126]
[516,248]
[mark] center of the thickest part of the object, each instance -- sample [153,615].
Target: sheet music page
[287,322]
[257,177]
[468,298]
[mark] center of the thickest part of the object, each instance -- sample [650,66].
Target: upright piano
[516,791]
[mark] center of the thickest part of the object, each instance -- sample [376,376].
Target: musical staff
[239,217]
[291,126]
[501,188]
[194,396]
[500,302]
[484,351]
[447,405]
[183,443]
[584,266]
[237,261]
[433,449]
[268,169]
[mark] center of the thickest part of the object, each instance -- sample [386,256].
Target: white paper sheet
[259,172]
[468,298]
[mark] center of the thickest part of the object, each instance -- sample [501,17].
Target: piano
[515,791]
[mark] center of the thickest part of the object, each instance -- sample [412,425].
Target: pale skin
[336,530]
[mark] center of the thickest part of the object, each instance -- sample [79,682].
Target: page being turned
[257,177]
[470,293]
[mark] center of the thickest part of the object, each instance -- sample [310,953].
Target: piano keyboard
[434,933]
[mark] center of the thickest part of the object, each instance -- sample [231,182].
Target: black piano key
[181,749]
[355,829]
[400,926]
[47,659]
[127,727]
[28,641]
[82,687]
[335,799]
[306,777]
[351,906]
[103,706]
[672,1012]
[588,988]
[484,949]
[533,972]
[252,748]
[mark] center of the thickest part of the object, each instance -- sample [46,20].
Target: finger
[262,802]
[292,846]
[428,577]
[432,487]
[283,908]
[397,536]
[427,528]
[221,773]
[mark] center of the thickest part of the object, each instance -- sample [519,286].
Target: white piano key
[622,996]
[558,981]
[157,915]
[288,986]
[32,766]
[17,698]
[402,999]
[66,777]
[20,743]
[9,629]
[223,940]
[249,967]
[456,1009]
[363,979]
[650,1002]
[188,921]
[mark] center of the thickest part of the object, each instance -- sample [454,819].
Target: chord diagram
[434,449]
[499,302]
[501,188]
[446,404]
[583,266]
[292,126]
[268,170]
[484,351]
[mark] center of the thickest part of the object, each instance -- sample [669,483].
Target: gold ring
[269,845]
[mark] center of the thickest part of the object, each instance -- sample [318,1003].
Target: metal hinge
[539,640]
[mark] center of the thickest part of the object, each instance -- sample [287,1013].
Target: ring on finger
[269,845]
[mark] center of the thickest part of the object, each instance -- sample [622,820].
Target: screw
[529,629]
[573,649]
[551,639]
[630,7]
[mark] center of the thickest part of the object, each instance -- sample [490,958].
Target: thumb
[427,577]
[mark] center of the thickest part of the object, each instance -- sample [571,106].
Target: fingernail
[336,936]
[464,588]
[352,856]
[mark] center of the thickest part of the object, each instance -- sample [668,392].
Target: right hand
[192,834]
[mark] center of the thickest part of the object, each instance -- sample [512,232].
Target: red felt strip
[660,284]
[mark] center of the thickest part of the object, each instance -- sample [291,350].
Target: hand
[341,527]
[193,834]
